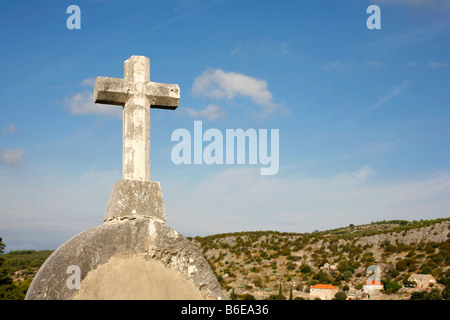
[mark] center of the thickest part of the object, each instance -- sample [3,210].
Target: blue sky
[363,115]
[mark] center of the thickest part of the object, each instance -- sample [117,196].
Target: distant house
[422,280]
[323,291]
[372,287]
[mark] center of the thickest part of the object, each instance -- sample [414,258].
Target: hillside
[259,264]
[17,269]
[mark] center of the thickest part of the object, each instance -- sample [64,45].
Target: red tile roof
[324,286]
[374,282]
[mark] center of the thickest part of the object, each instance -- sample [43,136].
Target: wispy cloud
[356,177]
[303,203]
[235,51]
[337,65]
[263,46]
[56,207]
[89,82]
[216,83]
[438,65]
[395,41]
[285,47]
[395,92]
[418,4]
[375,63]
[13,158]
[381,145]
[9,129]
[211,112]
[187,9]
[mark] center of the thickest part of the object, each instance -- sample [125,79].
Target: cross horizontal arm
[162,95]
[112,90]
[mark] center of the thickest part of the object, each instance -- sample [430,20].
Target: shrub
[340,295]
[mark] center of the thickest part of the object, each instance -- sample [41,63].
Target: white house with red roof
[372,287]
[323,291]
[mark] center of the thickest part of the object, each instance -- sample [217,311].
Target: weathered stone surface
[111,249]
[131,198]
[137,95]
[144,278]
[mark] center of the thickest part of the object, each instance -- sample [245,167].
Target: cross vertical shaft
[136,123]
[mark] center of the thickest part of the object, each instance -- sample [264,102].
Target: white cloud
[12,157]
[211,112]
[83,103]
[9,129]
[216,83]
[397,90]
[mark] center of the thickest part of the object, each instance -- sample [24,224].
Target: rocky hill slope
[257,263]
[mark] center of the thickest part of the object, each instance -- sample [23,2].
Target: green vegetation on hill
[17,269]
[277,264]
[258,262]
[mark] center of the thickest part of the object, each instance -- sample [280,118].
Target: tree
[278,296]
[434,295]
[424,295]
[305,269]
[347,274]
[340,295]
[322,277]
[390,286]
[233,295]
[401,265]
[419,295]
[2,247]
[8,290]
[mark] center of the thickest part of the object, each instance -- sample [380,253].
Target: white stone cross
[137,95]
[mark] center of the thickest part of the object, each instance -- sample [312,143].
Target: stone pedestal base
[137,258]
[132,198]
